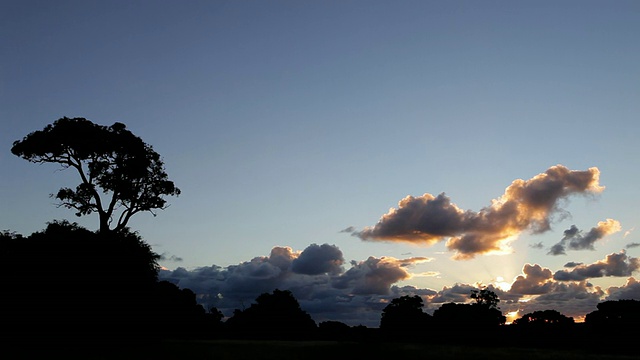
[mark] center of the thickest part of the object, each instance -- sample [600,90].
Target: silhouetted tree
[178,311]
[485,298]
[615,313]
[614,323]
[275,315]
[544,318]
[69,284]
[481,316]
[334,330]
[119,173]
[404,316]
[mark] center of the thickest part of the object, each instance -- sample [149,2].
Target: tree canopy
[120,174]
[484,313]
[275,315]
[485,298]
[404,314]
[544,318]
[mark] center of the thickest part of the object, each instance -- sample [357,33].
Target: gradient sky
[285,123]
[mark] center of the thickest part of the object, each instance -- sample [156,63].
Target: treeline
[68,285]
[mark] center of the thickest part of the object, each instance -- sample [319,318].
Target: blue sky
[285,122]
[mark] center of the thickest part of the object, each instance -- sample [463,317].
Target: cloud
[616,264]
[166,257]
[536,245]
[535,281]
[318,259]
[629,291]
[574,299]
[349,229]
[571,264]
[632,245]
[356,296]
[458,293]
[575,240]
[525,205]
[376,275]
[316,276]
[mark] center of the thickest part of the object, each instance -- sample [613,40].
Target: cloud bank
[355,292]
[316,276]
[525,205]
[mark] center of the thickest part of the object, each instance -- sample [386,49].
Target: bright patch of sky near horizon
[284,122]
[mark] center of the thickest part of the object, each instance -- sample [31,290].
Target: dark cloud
[616,264]
[166,257]
[318,259]
[525,205]
[457,293]
[375,275]
[557,249]
[575,240]
[629,291]
[536,245]
[356,296]
[572,264]
[349,229]
[632,245]
[573,299]
[315,276]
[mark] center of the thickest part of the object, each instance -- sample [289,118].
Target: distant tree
[215,315]
[615,312]
[334,330]
[544,318]
[614,323]
[275,315]
[404,314]
[482,316]
[119,173]
[485,298]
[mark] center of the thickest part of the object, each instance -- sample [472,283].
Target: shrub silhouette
[69,285]
[615,313]
[273,316]
[544,319]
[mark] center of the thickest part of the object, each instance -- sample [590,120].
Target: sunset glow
[351,152]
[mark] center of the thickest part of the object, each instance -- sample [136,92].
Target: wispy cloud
[525,205]
[349,229]
[165,256]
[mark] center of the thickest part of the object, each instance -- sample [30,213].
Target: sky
[351,151]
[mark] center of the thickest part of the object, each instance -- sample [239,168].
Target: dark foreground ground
[307,350]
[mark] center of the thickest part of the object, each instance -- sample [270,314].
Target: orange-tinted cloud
[575,240]
[525,205]
[535,281]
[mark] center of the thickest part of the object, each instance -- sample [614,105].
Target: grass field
[266,350]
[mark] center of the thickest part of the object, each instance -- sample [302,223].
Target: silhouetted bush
[403,318]
[273,316]
[67,285]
